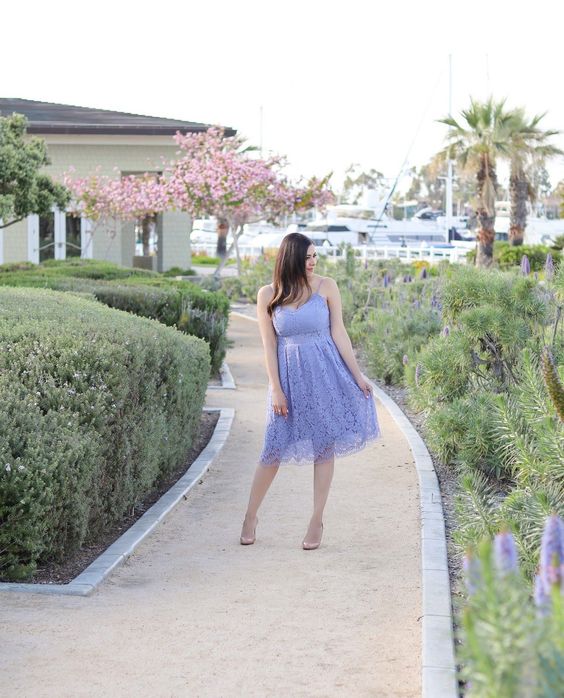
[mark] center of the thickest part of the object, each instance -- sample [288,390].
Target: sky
[326,83]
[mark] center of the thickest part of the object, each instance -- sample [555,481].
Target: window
[46,237]
[73,238]
[146,237]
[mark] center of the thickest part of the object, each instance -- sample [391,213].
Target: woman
[319,403]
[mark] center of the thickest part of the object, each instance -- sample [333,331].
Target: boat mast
[448,203]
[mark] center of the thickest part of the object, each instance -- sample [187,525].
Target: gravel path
[193,613]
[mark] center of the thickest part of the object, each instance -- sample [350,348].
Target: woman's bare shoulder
[265,294]
[327,283]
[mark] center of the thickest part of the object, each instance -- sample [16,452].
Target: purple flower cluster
[386,280]
[405,360]
[525,265]
[423,274]
[505,553]
[551,568]
[446,331]
[472,569]
[506,561]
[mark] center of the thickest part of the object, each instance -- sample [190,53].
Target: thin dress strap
[320,284]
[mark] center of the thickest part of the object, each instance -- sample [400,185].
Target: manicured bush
[175,303]
[96,406]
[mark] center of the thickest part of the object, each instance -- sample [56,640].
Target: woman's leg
[264,475]
[322,477]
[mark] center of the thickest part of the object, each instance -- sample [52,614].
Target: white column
[86,235]
[33,238]
[60,234]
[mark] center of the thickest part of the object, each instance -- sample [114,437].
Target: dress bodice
[311,317]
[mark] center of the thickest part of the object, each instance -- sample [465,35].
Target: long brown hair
[290,270]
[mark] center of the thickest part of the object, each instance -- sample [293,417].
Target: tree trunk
[238,232]
[487,186]
[222,230]
[146,226]
[519,195]
[485,239]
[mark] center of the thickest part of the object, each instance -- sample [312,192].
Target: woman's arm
[270,344]
[341,337]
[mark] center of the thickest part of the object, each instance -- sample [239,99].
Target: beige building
[111,143]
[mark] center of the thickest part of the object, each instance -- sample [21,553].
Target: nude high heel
[249,541]
[312,546]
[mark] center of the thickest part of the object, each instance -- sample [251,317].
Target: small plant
[513,643]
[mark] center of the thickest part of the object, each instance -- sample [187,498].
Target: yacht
[372,226]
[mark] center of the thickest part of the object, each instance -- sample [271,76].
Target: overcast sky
[338,82]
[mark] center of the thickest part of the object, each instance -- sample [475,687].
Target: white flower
[8,467]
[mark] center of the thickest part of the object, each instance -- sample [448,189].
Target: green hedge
[96,406]
[174,303]
[506,256]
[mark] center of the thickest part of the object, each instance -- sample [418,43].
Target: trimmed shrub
[96,406]
[174,303]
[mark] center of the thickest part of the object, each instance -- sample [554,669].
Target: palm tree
[528,147]
[476,143]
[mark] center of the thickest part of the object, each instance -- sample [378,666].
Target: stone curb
[227,380]
[437,639]
[86,582]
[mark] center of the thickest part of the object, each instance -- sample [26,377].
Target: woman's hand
[365,385]
[279,403]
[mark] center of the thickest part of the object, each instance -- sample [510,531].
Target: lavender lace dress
[328,414]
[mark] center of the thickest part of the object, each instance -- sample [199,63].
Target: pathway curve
[193,613]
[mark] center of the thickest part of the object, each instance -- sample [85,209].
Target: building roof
[45,118]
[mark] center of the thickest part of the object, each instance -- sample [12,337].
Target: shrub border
[437,639]
[88,580]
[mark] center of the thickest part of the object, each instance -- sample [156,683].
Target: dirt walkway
[193,613]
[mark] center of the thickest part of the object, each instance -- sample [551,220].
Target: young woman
[319,403]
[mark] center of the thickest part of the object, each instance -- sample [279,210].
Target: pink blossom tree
[216,176]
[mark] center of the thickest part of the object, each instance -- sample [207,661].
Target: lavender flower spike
[386,281]
[505,553]
[552,553]
[405,360]
[423,273]
[542,599]
[446,331]
[549,267]
[472,573]
[525,265]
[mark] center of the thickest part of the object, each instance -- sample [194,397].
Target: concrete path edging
[437,638]
[86,582]
[438,659]
[227,380]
